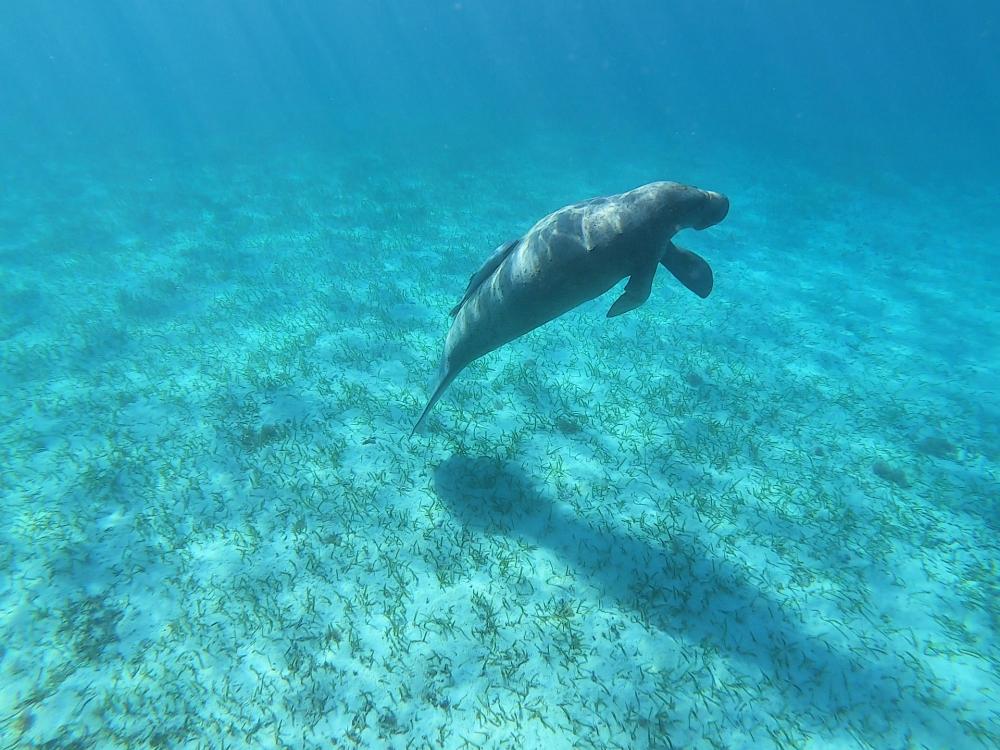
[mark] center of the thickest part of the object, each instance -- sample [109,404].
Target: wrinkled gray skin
[574,255]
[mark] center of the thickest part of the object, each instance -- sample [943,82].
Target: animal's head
[686,207]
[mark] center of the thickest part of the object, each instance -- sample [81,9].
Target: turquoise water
[229,241]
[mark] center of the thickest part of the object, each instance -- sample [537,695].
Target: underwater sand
[765,519]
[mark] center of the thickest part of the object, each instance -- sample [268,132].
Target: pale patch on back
[599,220]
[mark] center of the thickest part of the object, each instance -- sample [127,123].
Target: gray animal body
[574,255]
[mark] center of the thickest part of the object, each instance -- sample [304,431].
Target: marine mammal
[574,255]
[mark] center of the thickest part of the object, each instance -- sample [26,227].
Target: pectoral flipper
[636,291]
[689,268]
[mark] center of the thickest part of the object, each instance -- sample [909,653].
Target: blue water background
[907,85]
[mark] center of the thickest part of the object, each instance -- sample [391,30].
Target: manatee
[572,256]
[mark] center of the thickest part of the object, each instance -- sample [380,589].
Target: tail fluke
[444,381]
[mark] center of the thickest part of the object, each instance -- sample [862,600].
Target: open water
[230,235]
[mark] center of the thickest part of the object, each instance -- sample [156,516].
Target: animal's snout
[721,203]
[716,207]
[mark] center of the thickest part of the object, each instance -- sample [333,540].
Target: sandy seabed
[766,519]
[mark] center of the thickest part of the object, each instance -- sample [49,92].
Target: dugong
[572,256]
